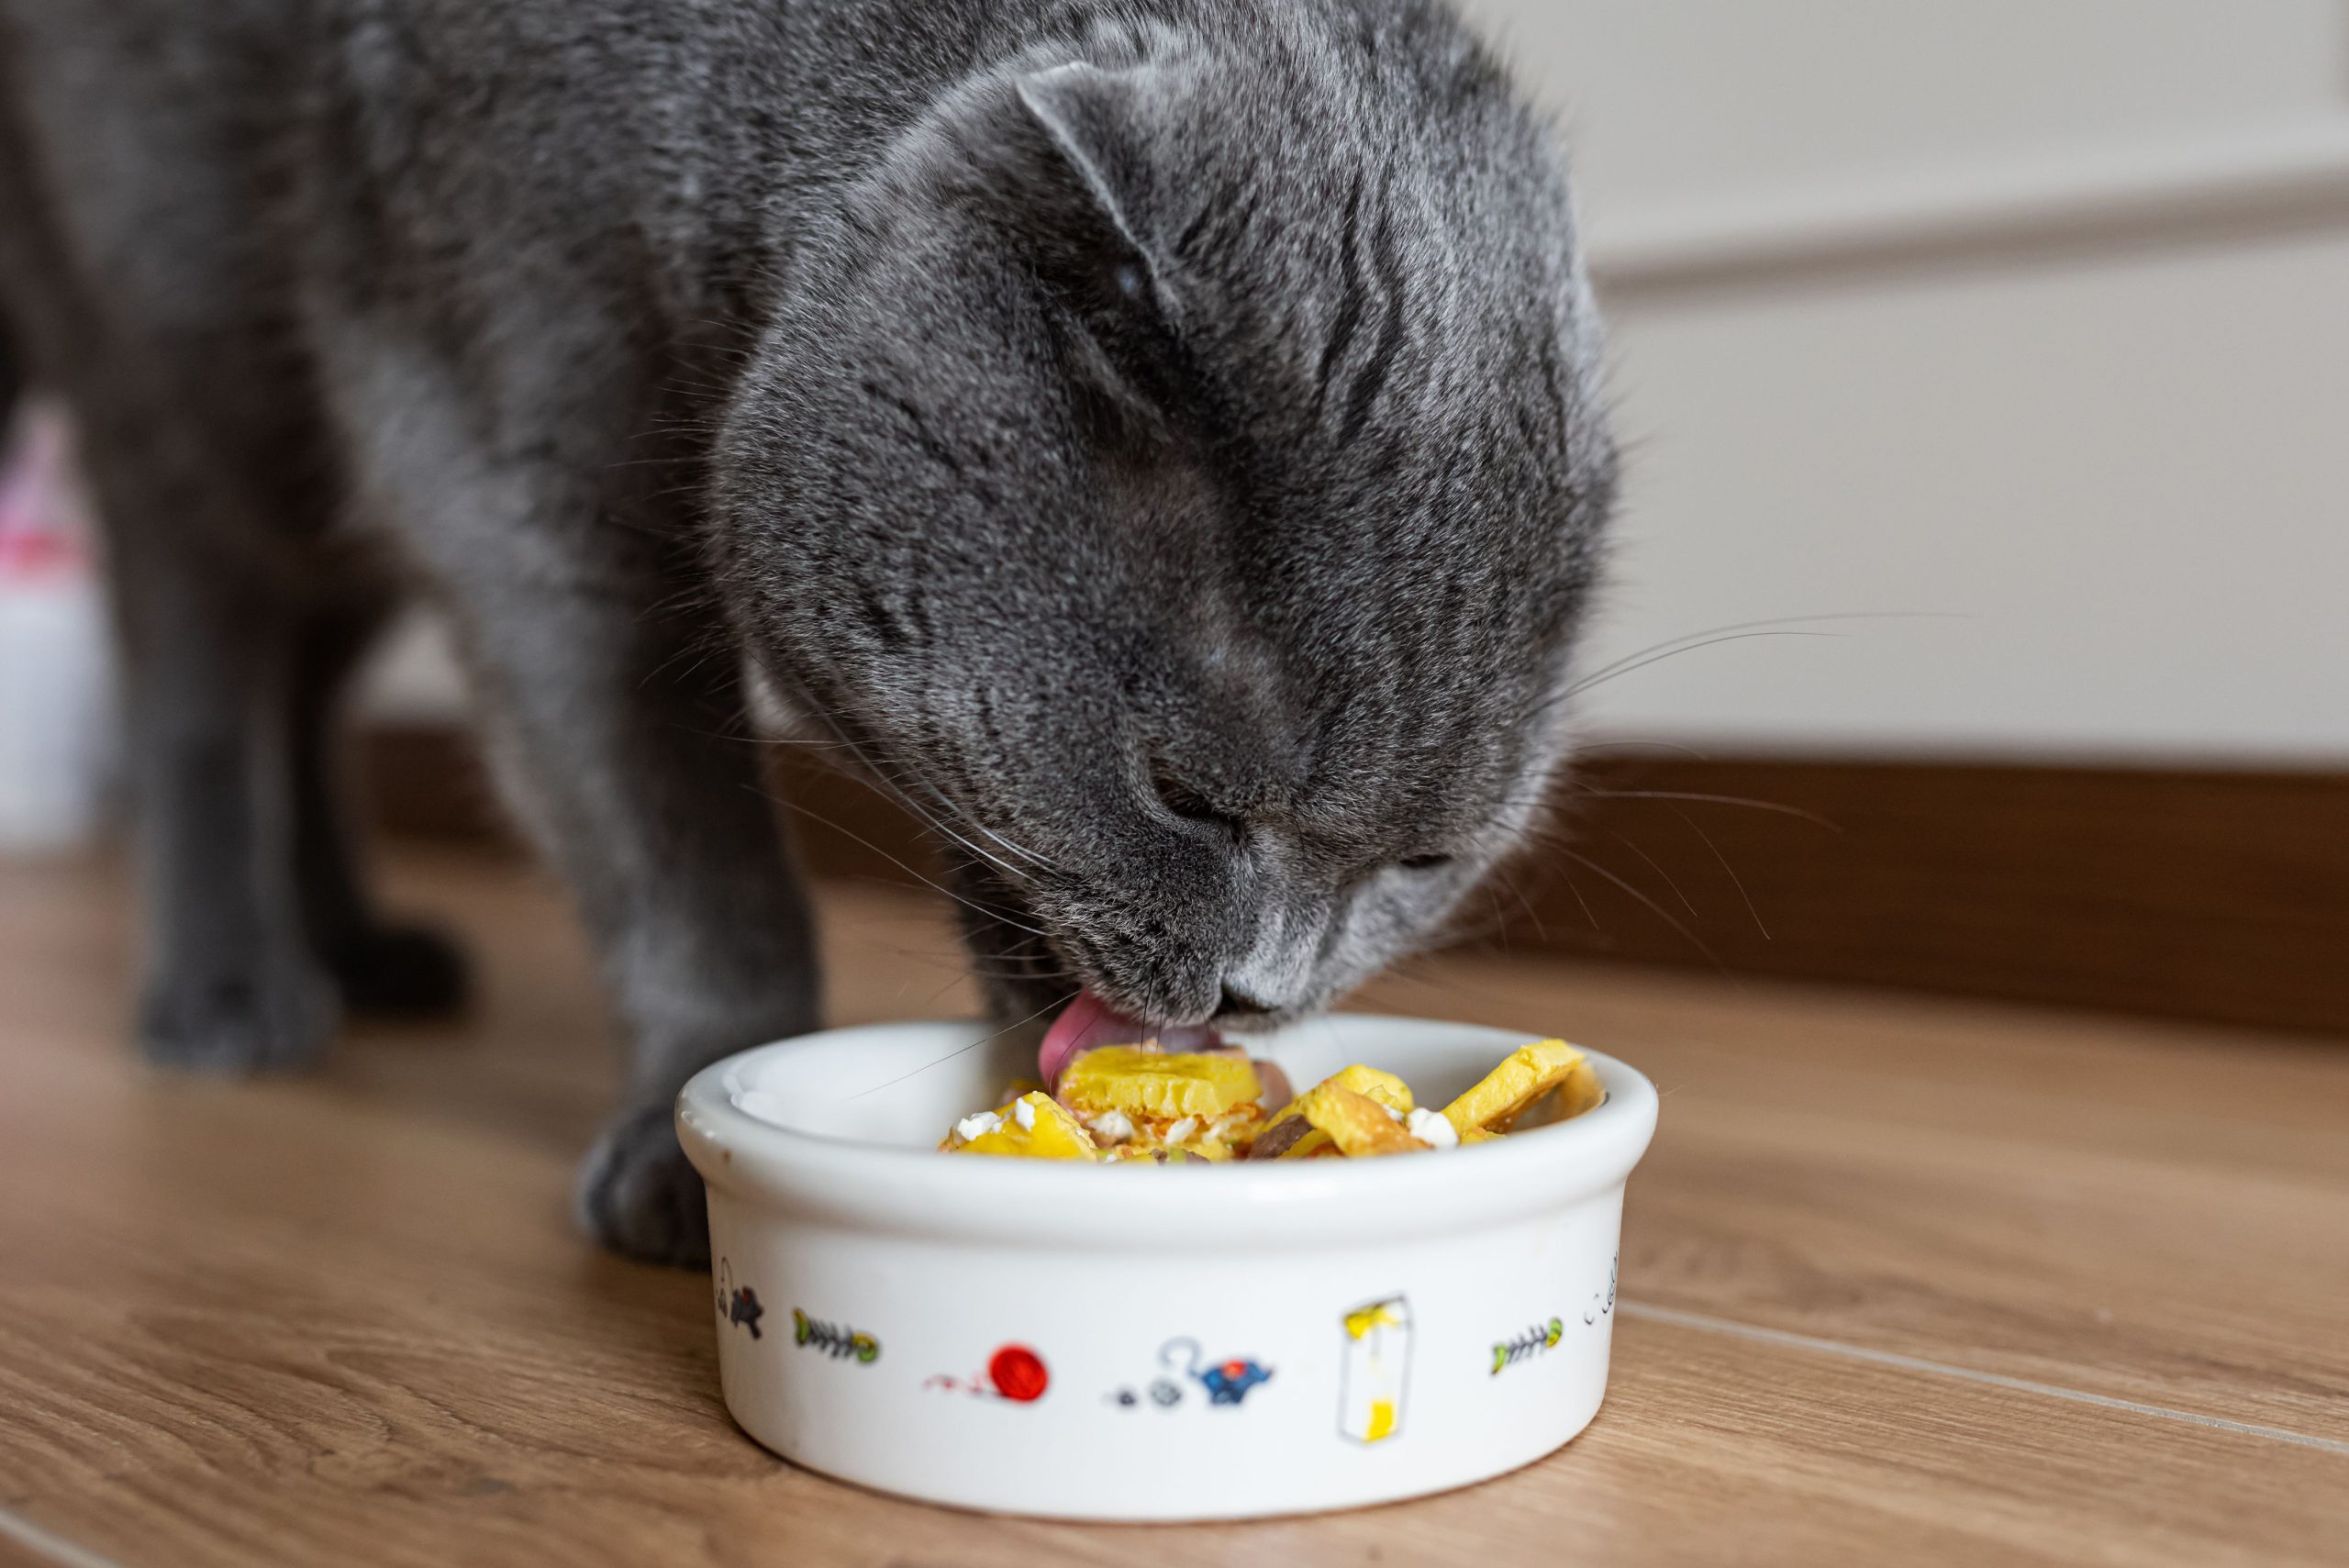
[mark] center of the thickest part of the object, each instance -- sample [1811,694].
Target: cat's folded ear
[1074,164]
[1086,117]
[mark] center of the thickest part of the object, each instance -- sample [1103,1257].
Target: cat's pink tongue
[1089,1022]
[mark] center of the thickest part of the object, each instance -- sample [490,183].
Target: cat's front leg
[628,745]
[624,744]
[619,729]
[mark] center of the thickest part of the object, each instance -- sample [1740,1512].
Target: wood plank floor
[1903,1282]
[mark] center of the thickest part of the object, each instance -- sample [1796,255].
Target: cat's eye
[1128,347]
[1426,862]
[1185,802]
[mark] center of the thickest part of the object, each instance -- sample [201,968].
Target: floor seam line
[48,1544]
[1706,1323]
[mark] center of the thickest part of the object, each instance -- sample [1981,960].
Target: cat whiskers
[1735,880]
[1657,867]
[1778,807]
[985,1040]
[1735,631]
[1667,916]
[873,776]
[906,799]
[993,914]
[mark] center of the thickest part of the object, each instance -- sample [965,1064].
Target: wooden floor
[1903,1283]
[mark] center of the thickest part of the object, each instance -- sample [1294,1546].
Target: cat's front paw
[640,1197]
[403,972]
[267,1018]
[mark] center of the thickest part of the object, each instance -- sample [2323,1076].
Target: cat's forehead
[1313,167]
[1418,335]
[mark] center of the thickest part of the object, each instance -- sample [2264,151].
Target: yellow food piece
[1217,1138]
[1054,1135]
[1385,1088]
[1504,1094]
[1577,1092]
[1357,1124]
[1200,1149]
[1200,1107]
[1205,1138]
[1382,1088]
[1158,1085]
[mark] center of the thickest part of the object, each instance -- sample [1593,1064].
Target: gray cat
[1160,439]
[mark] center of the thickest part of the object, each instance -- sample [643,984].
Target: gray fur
[1159,437]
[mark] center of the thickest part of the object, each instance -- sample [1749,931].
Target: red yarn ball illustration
[1017,1373]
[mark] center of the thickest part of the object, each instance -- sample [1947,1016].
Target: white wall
[1672,101]
[2132,479]
[2030,313]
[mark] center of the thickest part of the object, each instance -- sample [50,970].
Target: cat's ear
[1089,127]
[1086,117]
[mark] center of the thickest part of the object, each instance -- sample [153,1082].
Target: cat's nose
[1233,1005]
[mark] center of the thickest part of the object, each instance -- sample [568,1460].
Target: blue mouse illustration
[1227,1383]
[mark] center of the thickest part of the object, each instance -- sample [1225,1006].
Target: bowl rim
[895,1190]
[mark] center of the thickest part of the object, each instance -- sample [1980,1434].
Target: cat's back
[173,151]
[125,93]
[142,156]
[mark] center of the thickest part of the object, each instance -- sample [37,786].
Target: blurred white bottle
[58,732]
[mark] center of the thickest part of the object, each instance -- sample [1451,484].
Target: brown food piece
[1280,1139]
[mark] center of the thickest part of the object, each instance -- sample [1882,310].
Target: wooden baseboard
[2210,894]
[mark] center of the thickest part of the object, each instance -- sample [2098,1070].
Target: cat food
[1141,1105]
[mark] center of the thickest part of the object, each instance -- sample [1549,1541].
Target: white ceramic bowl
[1158,1343]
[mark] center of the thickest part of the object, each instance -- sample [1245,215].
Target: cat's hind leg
[11,379]
[232,983]
[380,967]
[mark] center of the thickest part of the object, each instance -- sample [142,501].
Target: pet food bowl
[1152,1344]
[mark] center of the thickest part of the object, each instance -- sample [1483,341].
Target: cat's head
[1180,473]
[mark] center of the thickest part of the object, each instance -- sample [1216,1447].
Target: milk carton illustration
[1377,1369]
